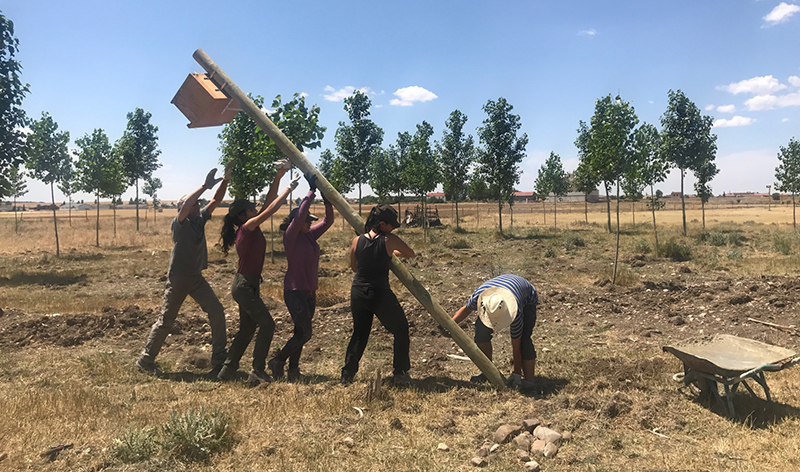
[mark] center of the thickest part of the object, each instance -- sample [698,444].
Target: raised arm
[282,166]
[302,213]
[189,203]
[255,221]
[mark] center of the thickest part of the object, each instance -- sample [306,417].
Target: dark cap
[385,213]
[292,215]
[240,206]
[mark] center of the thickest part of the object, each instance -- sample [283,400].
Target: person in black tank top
[371,295]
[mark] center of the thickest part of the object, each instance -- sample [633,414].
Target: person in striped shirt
[505,301]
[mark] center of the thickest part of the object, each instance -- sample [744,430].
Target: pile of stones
[531,439]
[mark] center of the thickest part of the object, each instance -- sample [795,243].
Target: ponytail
[228,234]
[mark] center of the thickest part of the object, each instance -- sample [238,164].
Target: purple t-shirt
[302,250]
[250,246]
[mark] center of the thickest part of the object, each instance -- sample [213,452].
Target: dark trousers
[252,314]
[483,334]
[301,305]
[178,288]
[368,301]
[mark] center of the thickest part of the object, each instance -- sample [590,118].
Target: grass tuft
[196,435]
[676,251]
[134,445]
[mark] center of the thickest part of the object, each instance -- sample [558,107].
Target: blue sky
[89,63]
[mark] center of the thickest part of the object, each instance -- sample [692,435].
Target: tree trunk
[555,211]
[653,209]
[586,207]
[608,205]
[271,240]
[616,252]
[16,223]
[500,212]
[703,208]
[477,215]
[544,213]
[291,176]
[511,209]
[633,211]
[114,206]
[683,204]
[97,223]
[70,210]
[137,204]
[457,214]
[794,217]
[359,199]
[55,220]
[424,220]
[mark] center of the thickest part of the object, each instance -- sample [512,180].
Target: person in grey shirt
[185,277]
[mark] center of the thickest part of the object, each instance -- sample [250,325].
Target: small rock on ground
[505,432]
[538,446]
[530,424]
[348,441]
[547,435]
[483,451]
[443,447]
[478,462]
[550,450]
[494,447]
[524,456]
[523,441]
[532,466]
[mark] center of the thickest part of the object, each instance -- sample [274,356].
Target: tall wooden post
[227,86]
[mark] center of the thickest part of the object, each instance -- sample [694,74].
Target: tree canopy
[12,116]
[138,151]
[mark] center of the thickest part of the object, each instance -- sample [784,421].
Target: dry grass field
[72,327]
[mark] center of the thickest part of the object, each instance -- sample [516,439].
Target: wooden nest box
[203,103]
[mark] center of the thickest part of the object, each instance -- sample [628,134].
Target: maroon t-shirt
[251,247]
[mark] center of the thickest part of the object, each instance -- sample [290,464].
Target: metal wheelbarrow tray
[729,360]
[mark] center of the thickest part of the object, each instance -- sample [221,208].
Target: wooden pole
[227,86]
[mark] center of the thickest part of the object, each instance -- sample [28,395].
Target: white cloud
[768,102]
[757,86]
[726,108]
[794,80]
[734,122]
[25,130]
[408,95]
[784,120]
[589,32]
[303,94]
[780,14]
[710,107]
[334,95]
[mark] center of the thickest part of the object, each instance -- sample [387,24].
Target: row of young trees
[415,164]
[95,166]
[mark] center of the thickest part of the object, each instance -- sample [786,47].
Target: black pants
[301,305]
[252,314]
[368,301]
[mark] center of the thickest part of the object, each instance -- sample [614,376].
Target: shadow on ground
[41,278]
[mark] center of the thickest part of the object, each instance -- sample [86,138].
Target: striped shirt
[522,290]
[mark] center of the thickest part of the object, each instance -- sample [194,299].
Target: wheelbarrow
[730,361]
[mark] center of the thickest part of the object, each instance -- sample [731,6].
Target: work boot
[479,379]
[149,367]
[276,367]
[227,373]
[402,379]
[346,378]
[258,377]
[293,374]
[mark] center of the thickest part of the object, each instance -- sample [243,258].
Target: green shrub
[460,230]
[134,445]
[675,250]
[782,243]
[197,434]
[459,243]
[642,247]
[734,254]
[550,252]
[717,239]
[573,240]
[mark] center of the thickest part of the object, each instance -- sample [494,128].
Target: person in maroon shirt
[300,283]
[241,228]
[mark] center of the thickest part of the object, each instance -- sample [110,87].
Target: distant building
[76,206]
[437,195]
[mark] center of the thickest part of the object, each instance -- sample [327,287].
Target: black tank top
[372,262]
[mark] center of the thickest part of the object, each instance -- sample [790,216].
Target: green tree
[608,149]
[686,138]
[559,181]
[704,173]
[335,171]
[399,153]
[357,142]
[420,169]
[456,154]
[68,184]
[502,151]
[787,174]
[12,116]
[48,158]
[151,187]
[138,149]
[651,165]
[384,171]
[585,178]
[542,187]
[243,142]
[99,171]
[17,188]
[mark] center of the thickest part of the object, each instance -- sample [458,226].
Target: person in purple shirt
[300,283]
[241,228]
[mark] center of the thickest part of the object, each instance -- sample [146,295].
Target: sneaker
[276,367]
[402,379]
[227,373]
[213,374]
[258,377]
[346,378]
[149,367]
[514,381]
[293,374]
[480,378]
